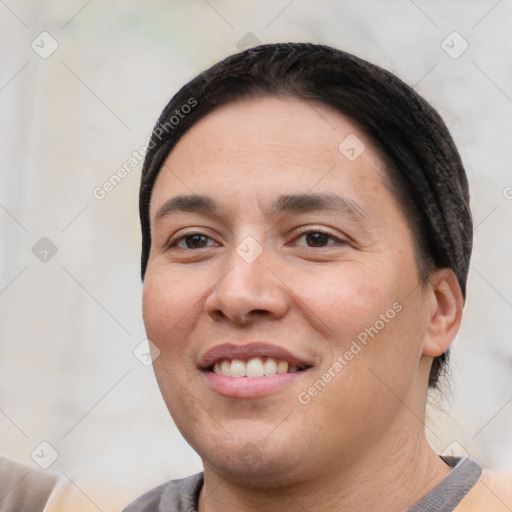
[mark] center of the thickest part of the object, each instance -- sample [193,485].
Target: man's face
[264,279]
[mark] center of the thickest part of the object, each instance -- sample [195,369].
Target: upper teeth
[254,367]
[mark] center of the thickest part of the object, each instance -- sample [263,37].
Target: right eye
[192,241]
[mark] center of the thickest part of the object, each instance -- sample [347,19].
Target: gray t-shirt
[182,495]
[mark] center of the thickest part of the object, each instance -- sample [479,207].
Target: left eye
[317,238]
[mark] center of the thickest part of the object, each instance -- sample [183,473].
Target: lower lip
[250,387]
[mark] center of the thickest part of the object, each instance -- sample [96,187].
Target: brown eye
[317,239]
[193,241]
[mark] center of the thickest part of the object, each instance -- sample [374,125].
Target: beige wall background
[81,84]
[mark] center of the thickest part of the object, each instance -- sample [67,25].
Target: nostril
[259,311]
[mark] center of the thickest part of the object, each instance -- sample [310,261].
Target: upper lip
[221,352]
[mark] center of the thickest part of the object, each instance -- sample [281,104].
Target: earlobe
[446,312]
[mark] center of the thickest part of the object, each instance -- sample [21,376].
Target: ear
[445,312]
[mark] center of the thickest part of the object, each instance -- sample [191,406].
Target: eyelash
[306,231]
[309,230]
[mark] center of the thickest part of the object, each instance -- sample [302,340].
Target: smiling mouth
[254,367]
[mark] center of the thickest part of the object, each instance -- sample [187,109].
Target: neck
[391,476]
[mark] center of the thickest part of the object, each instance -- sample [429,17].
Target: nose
[248,291]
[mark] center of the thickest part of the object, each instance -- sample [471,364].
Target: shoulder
[149,501]
[23,487]
[492,493]
[179,495]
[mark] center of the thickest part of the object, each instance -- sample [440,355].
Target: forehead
[270,143]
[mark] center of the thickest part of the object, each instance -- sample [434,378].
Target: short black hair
[424,168]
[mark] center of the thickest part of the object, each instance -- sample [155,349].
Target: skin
[359,444]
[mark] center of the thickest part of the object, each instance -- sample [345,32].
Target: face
[279,254]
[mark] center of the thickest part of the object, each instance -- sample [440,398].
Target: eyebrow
[291,203]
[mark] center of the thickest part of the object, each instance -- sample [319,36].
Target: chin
[266,463]
[253,468]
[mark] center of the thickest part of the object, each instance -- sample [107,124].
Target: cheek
[168,305]
[169,310]
[368,317]
[348,298]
